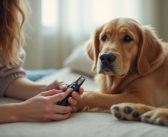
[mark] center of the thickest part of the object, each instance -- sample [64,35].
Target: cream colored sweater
[7,75]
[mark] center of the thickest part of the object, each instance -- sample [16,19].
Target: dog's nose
[107,58]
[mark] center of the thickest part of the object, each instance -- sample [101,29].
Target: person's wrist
[16,112]
[40,88]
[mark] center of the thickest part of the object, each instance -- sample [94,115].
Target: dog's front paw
[158,116]
[128,111]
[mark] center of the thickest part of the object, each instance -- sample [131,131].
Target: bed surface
[83,124]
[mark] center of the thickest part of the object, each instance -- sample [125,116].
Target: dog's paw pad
[117,115]
[135,114]
[155,117]
[125,111]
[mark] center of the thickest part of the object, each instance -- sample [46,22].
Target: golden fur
[138,77]
[12,18]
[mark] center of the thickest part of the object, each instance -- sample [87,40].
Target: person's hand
[57,84]
[43,108]
[61,85]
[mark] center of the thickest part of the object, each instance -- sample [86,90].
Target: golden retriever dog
[132,66]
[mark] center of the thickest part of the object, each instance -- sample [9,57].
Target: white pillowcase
[78,61]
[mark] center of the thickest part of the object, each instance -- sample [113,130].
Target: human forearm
[22,88]
[40,107]
[8,113]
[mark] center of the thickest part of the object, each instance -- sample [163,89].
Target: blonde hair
[12,18]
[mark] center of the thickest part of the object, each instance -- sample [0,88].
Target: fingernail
[63,86]
[70,89]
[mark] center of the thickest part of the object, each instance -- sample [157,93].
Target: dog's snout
[107,58]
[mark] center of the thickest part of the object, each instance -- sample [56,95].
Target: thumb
[60,84]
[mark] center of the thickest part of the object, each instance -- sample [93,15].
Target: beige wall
[155,13]
[163,19]
[32,33]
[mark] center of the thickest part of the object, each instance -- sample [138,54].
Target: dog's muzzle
[107,59]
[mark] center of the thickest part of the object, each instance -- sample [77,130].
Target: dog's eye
[104,38]
[127,38]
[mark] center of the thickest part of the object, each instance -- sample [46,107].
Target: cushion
[79,62]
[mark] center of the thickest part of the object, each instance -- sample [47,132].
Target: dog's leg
[158,116]
[92,100]
[144,113]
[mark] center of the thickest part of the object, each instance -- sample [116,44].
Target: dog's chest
[161,99]
[161,85]
[161,94]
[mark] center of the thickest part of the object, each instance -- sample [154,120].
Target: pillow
[78,61]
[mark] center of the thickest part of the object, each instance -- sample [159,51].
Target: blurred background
[58,26]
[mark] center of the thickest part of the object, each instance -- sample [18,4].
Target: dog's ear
[92,48]
[150,49]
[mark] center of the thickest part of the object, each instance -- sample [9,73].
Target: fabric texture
[7,75]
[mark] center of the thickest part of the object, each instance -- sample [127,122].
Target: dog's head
[121,44]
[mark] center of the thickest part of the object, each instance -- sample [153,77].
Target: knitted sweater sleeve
[7,75]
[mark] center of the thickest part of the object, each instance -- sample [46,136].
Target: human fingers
[54,116]
[60,84]
[50,92]
[60,96]
[81,90]
[76,96]
[60,116]
[62,109]
[72,101]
